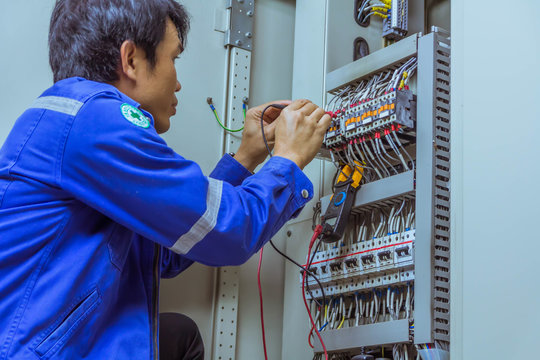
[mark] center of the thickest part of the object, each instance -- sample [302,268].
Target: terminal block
[396,108]
[334,134]
[367,264]
[395,26]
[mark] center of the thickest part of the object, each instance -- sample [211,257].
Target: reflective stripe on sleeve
[207,221]
[58,104]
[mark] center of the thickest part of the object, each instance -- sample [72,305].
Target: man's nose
[178,86]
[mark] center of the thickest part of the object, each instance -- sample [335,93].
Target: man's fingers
[271,113]
[324,123]
[317,114]
[279,102]
[270,131]
[298,104]
[308,109]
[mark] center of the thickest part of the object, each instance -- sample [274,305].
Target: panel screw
[249,35]
[241,1]
[289,233]
[238,42]
[250,13]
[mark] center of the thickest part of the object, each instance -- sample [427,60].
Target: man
[95,207]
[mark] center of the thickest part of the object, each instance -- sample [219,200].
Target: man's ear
[130,59]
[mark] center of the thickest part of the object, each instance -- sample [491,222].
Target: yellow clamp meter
[336,216]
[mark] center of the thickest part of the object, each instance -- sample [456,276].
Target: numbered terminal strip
[364,265]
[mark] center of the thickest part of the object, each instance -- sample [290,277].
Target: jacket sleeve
[173,264]
[227,169]
[130,174]
[230,170]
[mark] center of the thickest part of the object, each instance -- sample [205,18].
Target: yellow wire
[342,321]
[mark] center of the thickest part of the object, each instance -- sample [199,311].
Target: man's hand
[252,150]
[300,131]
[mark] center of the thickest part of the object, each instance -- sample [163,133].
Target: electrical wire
[276,106]
[210,103]
[304,269]
[261,302]
[316,233]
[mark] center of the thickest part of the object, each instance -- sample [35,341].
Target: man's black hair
[85,36]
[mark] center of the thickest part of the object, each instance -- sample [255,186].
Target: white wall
[24,62]
[495,125]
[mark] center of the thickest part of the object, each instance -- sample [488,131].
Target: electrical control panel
[384,286]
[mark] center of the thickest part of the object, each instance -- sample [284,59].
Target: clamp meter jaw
[336,216]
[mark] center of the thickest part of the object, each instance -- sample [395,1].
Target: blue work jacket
[95,208]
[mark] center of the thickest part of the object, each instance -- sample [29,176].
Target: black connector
[402,251]
[368,259]
[351,263]
[337,266]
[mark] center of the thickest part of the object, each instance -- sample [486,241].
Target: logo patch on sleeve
[135,116]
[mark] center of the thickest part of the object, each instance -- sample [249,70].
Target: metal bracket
[238,95]
[226,314]
[240,32]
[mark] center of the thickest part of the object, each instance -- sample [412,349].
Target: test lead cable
[261,302]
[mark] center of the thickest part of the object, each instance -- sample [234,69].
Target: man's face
[159,84]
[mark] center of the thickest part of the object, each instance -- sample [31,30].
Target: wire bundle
[377,85]
[364,308]
[382,152]
[316,233]
[380,8]
[333,356]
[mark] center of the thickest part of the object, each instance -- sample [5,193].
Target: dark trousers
[179,338]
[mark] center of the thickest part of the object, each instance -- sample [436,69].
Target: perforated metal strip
[441,271]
